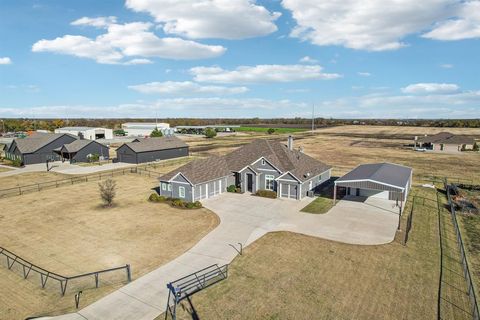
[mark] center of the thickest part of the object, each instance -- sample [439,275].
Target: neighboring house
[81,150]
[260,165]
[144,129]
[152,149]
[89,133]
[38,147]
[445,141]
[377,180]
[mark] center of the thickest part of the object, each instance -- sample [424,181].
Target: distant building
[82,150]
[152,149]
[445,141]
[144,129]
[89,133]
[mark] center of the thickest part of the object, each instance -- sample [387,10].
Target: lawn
[67,231]
[29,178]
[319,206]
[290,276]
[265,129]
[3,169]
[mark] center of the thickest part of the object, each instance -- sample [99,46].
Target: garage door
[374,193]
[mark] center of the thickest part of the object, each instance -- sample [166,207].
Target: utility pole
[313,117]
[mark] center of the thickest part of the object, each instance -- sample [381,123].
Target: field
[264,130]
[29,178]
[67,231]
[290,276]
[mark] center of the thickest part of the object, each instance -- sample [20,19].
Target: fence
[466,270]
[416,200]
[27,267]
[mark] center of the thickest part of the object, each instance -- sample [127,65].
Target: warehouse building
[89,133]
[152,149]
[144,129]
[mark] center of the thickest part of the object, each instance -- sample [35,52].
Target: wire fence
[27,268]
[466,270]
[416,201]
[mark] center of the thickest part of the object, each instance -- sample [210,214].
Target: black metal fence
[464,261]
[45,275]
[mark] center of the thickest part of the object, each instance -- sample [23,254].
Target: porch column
[334,193]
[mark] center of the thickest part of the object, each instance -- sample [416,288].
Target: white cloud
[308,59]
[465,25]
[5,60]
[447,66]
[200,19]
[431,88]
[99,22]
[364,74]
[138,61]
[379,25]
[185,87]
[122,41]
[261,73]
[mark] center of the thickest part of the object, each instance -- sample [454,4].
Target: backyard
[290,276]
[67,230]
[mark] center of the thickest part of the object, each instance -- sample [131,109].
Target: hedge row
[266,194]
[174,202]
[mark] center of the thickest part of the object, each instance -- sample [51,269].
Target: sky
[240,58]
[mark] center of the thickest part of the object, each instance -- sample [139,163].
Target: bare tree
[108,191]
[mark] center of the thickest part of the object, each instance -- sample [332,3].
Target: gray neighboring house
[152,149]
[259,165]
[38,147]
[446,142]
[80,150]
[378,180]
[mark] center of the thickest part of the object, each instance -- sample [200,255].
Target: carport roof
[386,173]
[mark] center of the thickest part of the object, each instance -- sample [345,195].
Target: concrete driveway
[243,219]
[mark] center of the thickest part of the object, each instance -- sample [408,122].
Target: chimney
[290,143]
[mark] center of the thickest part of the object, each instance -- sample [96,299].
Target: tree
[93,157]
[271,131]
[210,133]
[119,132]
[156,133]
[475,147]
[108,191]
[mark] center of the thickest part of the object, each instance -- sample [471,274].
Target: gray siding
[244,180]
[92,148]
[367,185]
[316,181]
[125,154]
[46,152]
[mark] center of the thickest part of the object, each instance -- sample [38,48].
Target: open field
[290,276]
[67,231]
[29,178]
[264,130]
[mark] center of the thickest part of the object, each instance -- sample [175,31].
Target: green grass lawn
[319,205]
[291,276]
[277,130]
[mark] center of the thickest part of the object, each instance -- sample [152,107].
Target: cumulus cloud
[185,87]
[123,41]
[430,88]
[200,19]
[465,25]
[378,25]
[5,60]
[261,73]
[308,59]
[99,22]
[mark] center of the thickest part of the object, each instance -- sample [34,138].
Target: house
[445,141]
[144,129]
[89,133]
[152,149]
[377,180]
[38,148]
[81,150]
[260,165]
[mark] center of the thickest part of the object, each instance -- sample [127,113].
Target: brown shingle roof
[154,144]
[299,164]
[78,145]
[447,138]
[201,170]
[38,140]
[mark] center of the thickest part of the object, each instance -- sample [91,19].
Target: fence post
[129,275]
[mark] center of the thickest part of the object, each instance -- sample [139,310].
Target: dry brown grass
[29,178]
[291,276]
[66,230]
[3,169]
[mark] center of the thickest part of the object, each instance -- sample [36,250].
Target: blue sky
[240,58]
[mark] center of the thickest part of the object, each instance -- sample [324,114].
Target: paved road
[244,219]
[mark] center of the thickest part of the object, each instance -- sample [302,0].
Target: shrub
[107,191]
[231,188]
[93,157]
[475,147]
[16,163]
[189,205]
[271,131]
[210,133]
[178,203]
[155,197]
[156,133]
[197,204]
[266,194]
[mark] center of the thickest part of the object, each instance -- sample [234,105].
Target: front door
[249,182]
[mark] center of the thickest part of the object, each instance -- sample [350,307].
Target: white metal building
[143,129]
[89,133]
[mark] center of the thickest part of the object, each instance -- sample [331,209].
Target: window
[164,186]
[169,187]
[181,192]
[269,182]
[263,162]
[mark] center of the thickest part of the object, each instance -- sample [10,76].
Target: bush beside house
[266,194]
[177,203]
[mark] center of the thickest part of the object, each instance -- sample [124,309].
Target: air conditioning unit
[311,193]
